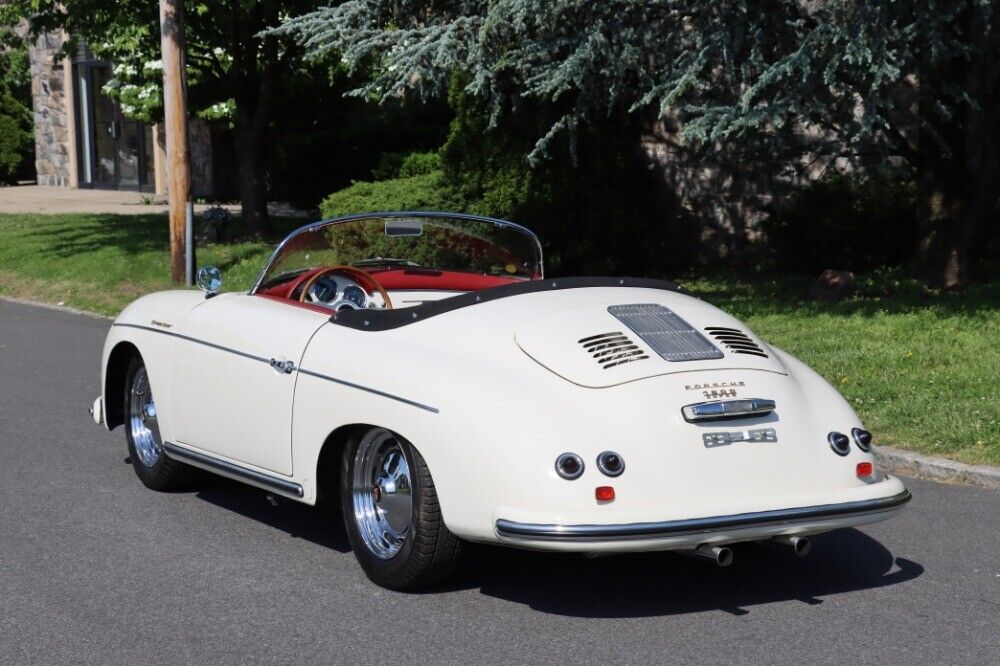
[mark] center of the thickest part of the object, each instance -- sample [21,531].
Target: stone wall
[200,140]
[52,142]
[200,154]
[724,193]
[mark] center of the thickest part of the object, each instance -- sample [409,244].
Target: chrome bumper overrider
[672,528]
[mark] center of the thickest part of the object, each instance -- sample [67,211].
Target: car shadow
[653,584]
[618,586]
[320,524]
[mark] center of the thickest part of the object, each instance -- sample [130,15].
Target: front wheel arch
[114,382]
[328,463]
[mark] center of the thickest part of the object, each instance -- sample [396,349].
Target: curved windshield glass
[430,242]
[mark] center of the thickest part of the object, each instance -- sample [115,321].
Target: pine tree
[917,80]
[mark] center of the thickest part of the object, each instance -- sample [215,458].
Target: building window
[114,152]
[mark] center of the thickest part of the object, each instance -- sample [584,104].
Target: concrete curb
[906,463]
[57,308]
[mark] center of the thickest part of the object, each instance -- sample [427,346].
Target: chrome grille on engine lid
[736,341]
[670,336]
[611,349]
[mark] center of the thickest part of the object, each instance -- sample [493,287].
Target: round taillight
[610,463]
[569,466]
[839,442]
[862,438]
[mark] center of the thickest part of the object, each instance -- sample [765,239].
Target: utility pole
[176,134]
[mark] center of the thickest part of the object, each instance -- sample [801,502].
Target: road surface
[94,568]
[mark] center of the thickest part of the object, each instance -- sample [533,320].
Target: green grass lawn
[919,366]
[102,262]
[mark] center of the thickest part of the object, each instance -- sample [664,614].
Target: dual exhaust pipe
[723,555]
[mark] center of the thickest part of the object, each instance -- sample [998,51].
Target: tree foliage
[726,68]
[234,72]
[17,142]
[725,71]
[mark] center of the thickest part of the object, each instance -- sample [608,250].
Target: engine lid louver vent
[662,329]
[611,349]
[736,341]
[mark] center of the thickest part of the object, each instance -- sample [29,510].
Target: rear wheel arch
[114,382]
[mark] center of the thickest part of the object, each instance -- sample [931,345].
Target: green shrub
[845,222]
[403,165]
[419,164]
[427,191]
[388,166]
[17,142]
[592,199]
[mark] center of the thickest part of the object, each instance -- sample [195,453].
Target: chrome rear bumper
[678,528]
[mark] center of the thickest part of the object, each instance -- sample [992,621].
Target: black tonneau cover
[383,320]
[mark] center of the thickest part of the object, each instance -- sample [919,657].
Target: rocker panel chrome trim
[238,472]
[670,528]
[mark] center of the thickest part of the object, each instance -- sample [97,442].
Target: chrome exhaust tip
[721,555]
[800,545]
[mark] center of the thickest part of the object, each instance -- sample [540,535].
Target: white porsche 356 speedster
[420,370]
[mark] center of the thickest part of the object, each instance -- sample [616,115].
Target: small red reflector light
[604,493]
[865,469]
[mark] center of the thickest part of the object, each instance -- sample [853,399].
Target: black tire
[430,553]
[163,473]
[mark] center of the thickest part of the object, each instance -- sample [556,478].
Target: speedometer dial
[325,289]
[355,295]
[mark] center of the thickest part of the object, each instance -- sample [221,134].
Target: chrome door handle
[282,366]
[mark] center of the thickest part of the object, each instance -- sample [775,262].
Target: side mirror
[209,280]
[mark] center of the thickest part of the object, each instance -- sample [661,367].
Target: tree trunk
[945,225]
[253,85]
[959,186]
[958,205]
[250,161]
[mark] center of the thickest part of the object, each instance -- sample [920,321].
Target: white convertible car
[420,370]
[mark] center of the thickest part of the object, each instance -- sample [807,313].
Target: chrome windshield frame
[540,268]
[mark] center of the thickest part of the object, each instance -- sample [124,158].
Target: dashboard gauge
[355,295]
[325,289]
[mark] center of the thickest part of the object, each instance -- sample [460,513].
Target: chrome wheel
[143,428]
[382,493]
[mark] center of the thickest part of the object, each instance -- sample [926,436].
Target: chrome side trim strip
[318,375]
[670,528]
[188,338]
[238,472]
[367,389]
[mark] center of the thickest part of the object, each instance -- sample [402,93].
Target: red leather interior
[395,279]
[307,306]
[421,278]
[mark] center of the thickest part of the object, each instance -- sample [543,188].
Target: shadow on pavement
[650,584]
[320,525]
[629,585]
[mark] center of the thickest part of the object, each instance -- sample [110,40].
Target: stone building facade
[83,140]
[53,145]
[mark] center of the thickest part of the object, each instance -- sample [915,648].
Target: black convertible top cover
[383,320]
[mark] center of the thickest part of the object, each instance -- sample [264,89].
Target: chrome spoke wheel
[142,424]
[381,492]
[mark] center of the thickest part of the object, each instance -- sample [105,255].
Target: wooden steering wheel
[367,282]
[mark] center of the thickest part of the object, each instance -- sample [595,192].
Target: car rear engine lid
[599,345]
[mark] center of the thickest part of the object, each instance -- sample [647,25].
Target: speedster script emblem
[713,439]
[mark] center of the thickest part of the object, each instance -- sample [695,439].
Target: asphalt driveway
[94,568]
